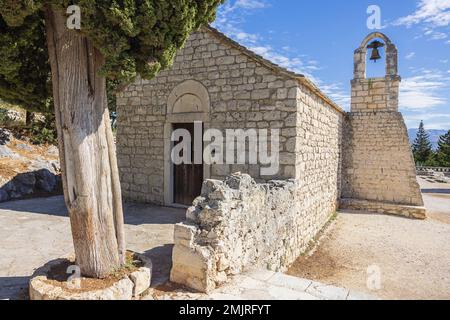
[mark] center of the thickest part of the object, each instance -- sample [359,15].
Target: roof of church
[275,67]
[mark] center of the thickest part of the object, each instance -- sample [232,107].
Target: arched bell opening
[373,46]
[376,59]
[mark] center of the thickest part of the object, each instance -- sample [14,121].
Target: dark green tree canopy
[443,152]
[24,68]
[136,37]
[422,148]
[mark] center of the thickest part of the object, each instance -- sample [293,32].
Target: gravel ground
[413,256]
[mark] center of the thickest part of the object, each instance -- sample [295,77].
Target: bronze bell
[375,52]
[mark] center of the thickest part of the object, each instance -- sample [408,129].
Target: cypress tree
[422,148]
[43,63]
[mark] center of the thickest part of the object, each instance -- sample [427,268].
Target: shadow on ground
[162,263]
[35,231]
[50,206]
[14,288]
[436,191]
[134,214]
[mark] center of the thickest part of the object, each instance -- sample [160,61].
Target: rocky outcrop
[5,136]
[40,182]
[26,170]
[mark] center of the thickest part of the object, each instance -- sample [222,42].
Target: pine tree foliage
[136,37]
[443,152]
[422,147]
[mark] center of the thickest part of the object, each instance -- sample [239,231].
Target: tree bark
[88,158]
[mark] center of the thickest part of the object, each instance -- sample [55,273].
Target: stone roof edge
[290,74]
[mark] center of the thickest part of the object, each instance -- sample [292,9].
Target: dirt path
[413,256]
[437,199]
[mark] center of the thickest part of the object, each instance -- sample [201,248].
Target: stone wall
[378,161]
[377,94]
[318,154]
[244,92]
[237,225]
[140,143]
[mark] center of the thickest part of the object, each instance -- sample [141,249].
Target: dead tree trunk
[88,158]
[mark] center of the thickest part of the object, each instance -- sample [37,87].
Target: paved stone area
[33,232]
[413,255]
[266,285]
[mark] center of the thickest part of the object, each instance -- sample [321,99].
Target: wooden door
[188,178]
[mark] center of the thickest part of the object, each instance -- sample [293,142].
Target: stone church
[328,158]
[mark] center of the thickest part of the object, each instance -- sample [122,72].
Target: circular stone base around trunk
[128,287]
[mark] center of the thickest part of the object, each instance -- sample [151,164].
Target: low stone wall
[415,212]
[238,224]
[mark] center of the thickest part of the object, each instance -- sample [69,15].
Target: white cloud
[231,17]
[423,91]
[232,14]
[433,121]
[243,36]
[433,12]
[439,125]
[431,15]
[409,56]
[438,35]
[430,124]
[428,116]
[251,4]
[291,63]
[337,94]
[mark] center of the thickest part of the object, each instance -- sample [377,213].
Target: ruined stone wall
[238,225]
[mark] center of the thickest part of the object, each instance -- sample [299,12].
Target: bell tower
[375,94]
[379,172]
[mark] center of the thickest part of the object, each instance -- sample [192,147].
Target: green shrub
[43,132]
[3,116]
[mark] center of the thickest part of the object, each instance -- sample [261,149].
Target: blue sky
[317,38]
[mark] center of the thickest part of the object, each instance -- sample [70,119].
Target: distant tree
[422,147]
[43,61]
[443,152]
